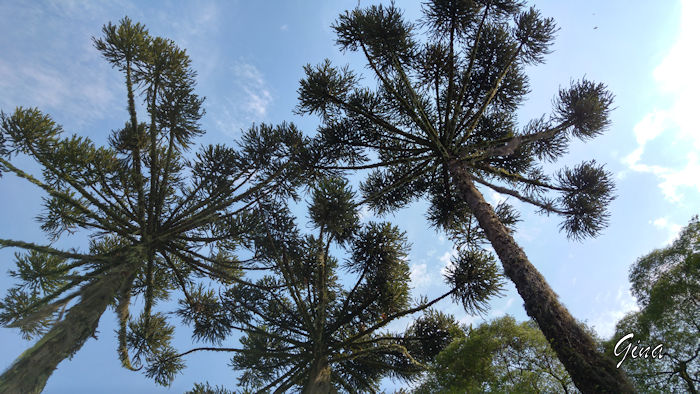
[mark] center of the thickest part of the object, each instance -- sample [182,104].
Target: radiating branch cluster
[453,98]
[157,215]
[303,328]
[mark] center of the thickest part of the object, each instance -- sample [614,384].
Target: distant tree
[502,356]
[441,120]
[432,333]
[147,208]
[205,388]
[666,283]
[304,328]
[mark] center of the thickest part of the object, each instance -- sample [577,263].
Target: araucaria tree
[148,210]
[441,123]
[304,328]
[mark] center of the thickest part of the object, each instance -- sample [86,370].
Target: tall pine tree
[148,206]
[441,123]
[317,324]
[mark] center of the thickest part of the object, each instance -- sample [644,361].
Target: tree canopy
[501,356]
[666,283]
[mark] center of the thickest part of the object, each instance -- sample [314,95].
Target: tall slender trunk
[319,378]
[591,371]
[31,370]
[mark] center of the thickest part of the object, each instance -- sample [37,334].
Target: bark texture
[31,370]
[319,378]
[591,371]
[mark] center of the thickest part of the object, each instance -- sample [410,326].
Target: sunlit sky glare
[249,57]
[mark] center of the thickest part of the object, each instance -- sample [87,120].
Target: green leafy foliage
[502,356]
[475,278]
[302,315]
[40,274]
[666,283]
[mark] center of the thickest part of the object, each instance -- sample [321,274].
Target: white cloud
[498,312]
[611,311]
[83,91]
[364,212]
[446,260]
[673,229]
[257,94]
[420,277]
[660,222]
[284,27]
[677,77]
[468,320]
[250,100]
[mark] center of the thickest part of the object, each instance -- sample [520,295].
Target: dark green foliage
[40,274]
[205,388]
[666,283]
[148,204]
[452,99]
[3,149]
[498,357]
[377,31]
[475,278]
[302,315]
[588,194]
[332,209]
[202,311]
[586,106]
[431,333]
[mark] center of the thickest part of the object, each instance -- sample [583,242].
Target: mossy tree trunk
[31,370]
[591,371]
[319,378]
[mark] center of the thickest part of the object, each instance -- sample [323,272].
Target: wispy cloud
[249,102]
[257,94]
[501,310]
[446,260]
[81,92]
[420,278]
[677,77]
[64,75]
[673,229]
[611,310]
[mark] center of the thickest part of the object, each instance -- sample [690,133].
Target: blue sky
[249,56]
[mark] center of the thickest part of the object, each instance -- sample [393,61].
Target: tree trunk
[686,377]
[319,378]
[591,371]
[31,370]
